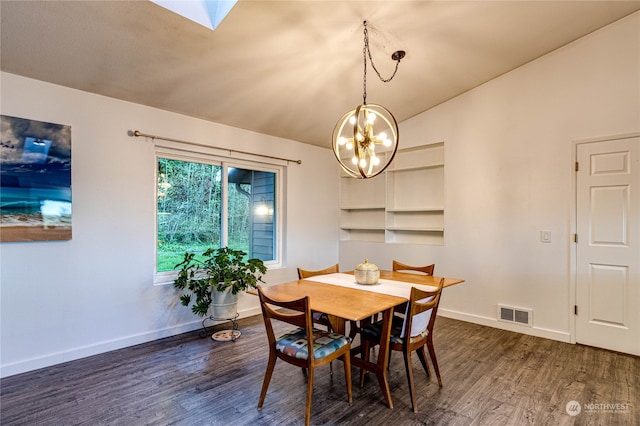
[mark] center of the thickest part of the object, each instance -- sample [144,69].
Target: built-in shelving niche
[405,204]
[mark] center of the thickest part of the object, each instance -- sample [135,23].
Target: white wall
[508,174]
[64,300]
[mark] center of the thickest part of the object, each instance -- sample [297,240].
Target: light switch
[545,236]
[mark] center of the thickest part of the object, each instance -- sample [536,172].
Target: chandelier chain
[367,52]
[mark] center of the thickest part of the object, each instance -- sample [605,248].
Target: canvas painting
[35,180]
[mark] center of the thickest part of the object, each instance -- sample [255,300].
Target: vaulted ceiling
[287,68]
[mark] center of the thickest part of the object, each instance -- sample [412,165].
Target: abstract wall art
[35,180]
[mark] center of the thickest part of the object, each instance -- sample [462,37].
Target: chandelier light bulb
[382,136]
[387,142]
[363,162]
[354,160]
[375,161]
[371,117]
[349,146]
[342,140]
[352,120]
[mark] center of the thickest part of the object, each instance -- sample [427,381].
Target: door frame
[573,282]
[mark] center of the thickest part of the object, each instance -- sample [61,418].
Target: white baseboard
[72,354]
[561,336]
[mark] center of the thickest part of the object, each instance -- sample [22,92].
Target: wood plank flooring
[490,377]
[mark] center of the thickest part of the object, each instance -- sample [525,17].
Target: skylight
[208,13]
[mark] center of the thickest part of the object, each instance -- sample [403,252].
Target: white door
[608,246]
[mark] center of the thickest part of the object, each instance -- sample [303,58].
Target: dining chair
[419,319]
[401,267]
[293,347]
[319,317]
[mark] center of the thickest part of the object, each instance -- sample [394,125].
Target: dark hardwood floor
[490,377]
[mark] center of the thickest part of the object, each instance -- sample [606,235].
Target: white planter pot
[224,304]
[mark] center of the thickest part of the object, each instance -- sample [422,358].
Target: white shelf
[362,208]
[414,229]
[416,210]
[363,228]
[372,235]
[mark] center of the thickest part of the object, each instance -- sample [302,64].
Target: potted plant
[215,278]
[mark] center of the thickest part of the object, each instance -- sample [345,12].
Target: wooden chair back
[303,273]
[401,267]
[422,310]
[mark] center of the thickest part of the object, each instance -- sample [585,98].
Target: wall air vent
[523,316]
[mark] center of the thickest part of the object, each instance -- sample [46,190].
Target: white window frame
[167,277]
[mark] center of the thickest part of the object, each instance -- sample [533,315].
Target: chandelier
[365,139]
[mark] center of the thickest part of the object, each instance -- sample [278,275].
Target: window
[204,203]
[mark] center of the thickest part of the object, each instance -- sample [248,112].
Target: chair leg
[346,360]
[267,378]
[364,354]
[330,330]
[307,415]
[412,391]
[353,329]
[434,361]
[422,355]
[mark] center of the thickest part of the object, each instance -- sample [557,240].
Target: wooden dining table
[356,303]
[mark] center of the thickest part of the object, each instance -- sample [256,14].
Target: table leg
[380,367]
[337,324]
[383,356]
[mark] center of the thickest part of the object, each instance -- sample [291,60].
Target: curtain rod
[138,134]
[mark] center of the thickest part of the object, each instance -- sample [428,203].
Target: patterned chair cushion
[295,344]
[375,330]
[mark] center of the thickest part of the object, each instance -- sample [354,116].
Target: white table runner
[390,287]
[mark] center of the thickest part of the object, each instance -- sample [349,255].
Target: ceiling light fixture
[365,139]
